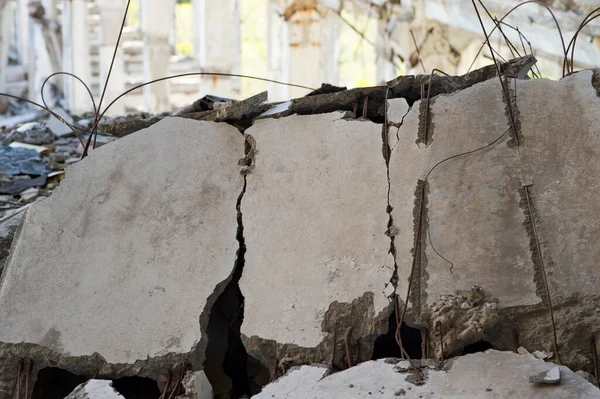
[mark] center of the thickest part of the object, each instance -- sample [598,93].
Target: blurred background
[350,43]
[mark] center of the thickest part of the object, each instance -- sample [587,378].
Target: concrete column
[156,29]
[314,47]
[23,31]
[111,16]
[76,55]
[386,70]
[218,49]
[278,52]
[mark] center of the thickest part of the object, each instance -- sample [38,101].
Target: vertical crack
[226,359]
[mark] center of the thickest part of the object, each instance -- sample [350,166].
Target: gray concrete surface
[123,256]
[560,151]
[472,213]
[314,223]
[491,374]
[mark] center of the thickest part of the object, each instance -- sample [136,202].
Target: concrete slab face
[121,259]
[491,374]
[316,199]
[95,389]
[472,229]
[560,148]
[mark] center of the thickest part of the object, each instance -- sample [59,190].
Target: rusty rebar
[347,344]
[542,267]
[595,359]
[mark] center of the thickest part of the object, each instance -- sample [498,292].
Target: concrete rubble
[491,374]
[95,389]
[242,246]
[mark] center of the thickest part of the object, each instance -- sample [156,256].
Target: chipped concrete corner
[189,249]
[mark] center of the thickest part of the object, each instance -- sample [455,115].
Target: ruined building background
[359,198]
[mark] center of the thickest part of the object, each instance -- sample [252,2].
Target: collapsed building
[241,246]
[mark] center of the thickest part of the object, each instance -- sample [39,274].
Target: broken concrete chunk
[95,389]
[30,194]
[540,355]
[397,109]
[196,386]
[551,377]
[236,110]
[39,149]
[115,245]
[522,351]
[20,185]
[57,127]
[413,87]
[328,259]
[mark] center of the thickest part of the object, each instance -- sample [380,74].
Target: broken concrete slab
[559,143]
[494,201]
[95,389]
[328,260]
[492,374]
[467,199]
[116,247]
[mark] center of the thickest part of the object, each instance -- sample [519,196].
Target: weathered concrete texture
[123,256]
[491,374]
[559,149]
[471,214]
[95,389]
[317,201]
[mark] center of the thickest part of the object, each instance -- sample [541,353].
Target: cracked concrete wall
[314,223]
[123,256]
[140,239]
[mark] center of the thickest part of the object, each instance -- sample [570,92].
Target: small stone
[30,194]
[522,351]
[465,305]
[351,386]
[489,389]
[540,355]
[551,376]
[400,392]
[402,366]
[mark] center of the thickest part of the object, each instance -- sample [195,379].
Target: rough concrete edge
[15,242]
[426,124]
[511,108]
[418,294]
[596,80]
[530,223]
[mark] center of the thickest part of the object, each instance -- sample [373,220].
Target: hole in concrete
[479,346]
[386,345]
[136,388]
[55,383]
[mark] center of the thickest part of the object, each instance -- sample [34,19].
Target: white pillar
[314,49]
[111,16]
[278,52]
[5,31]
[218,45]
[76,55]
[156,29]
[386,70]
[23,31]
